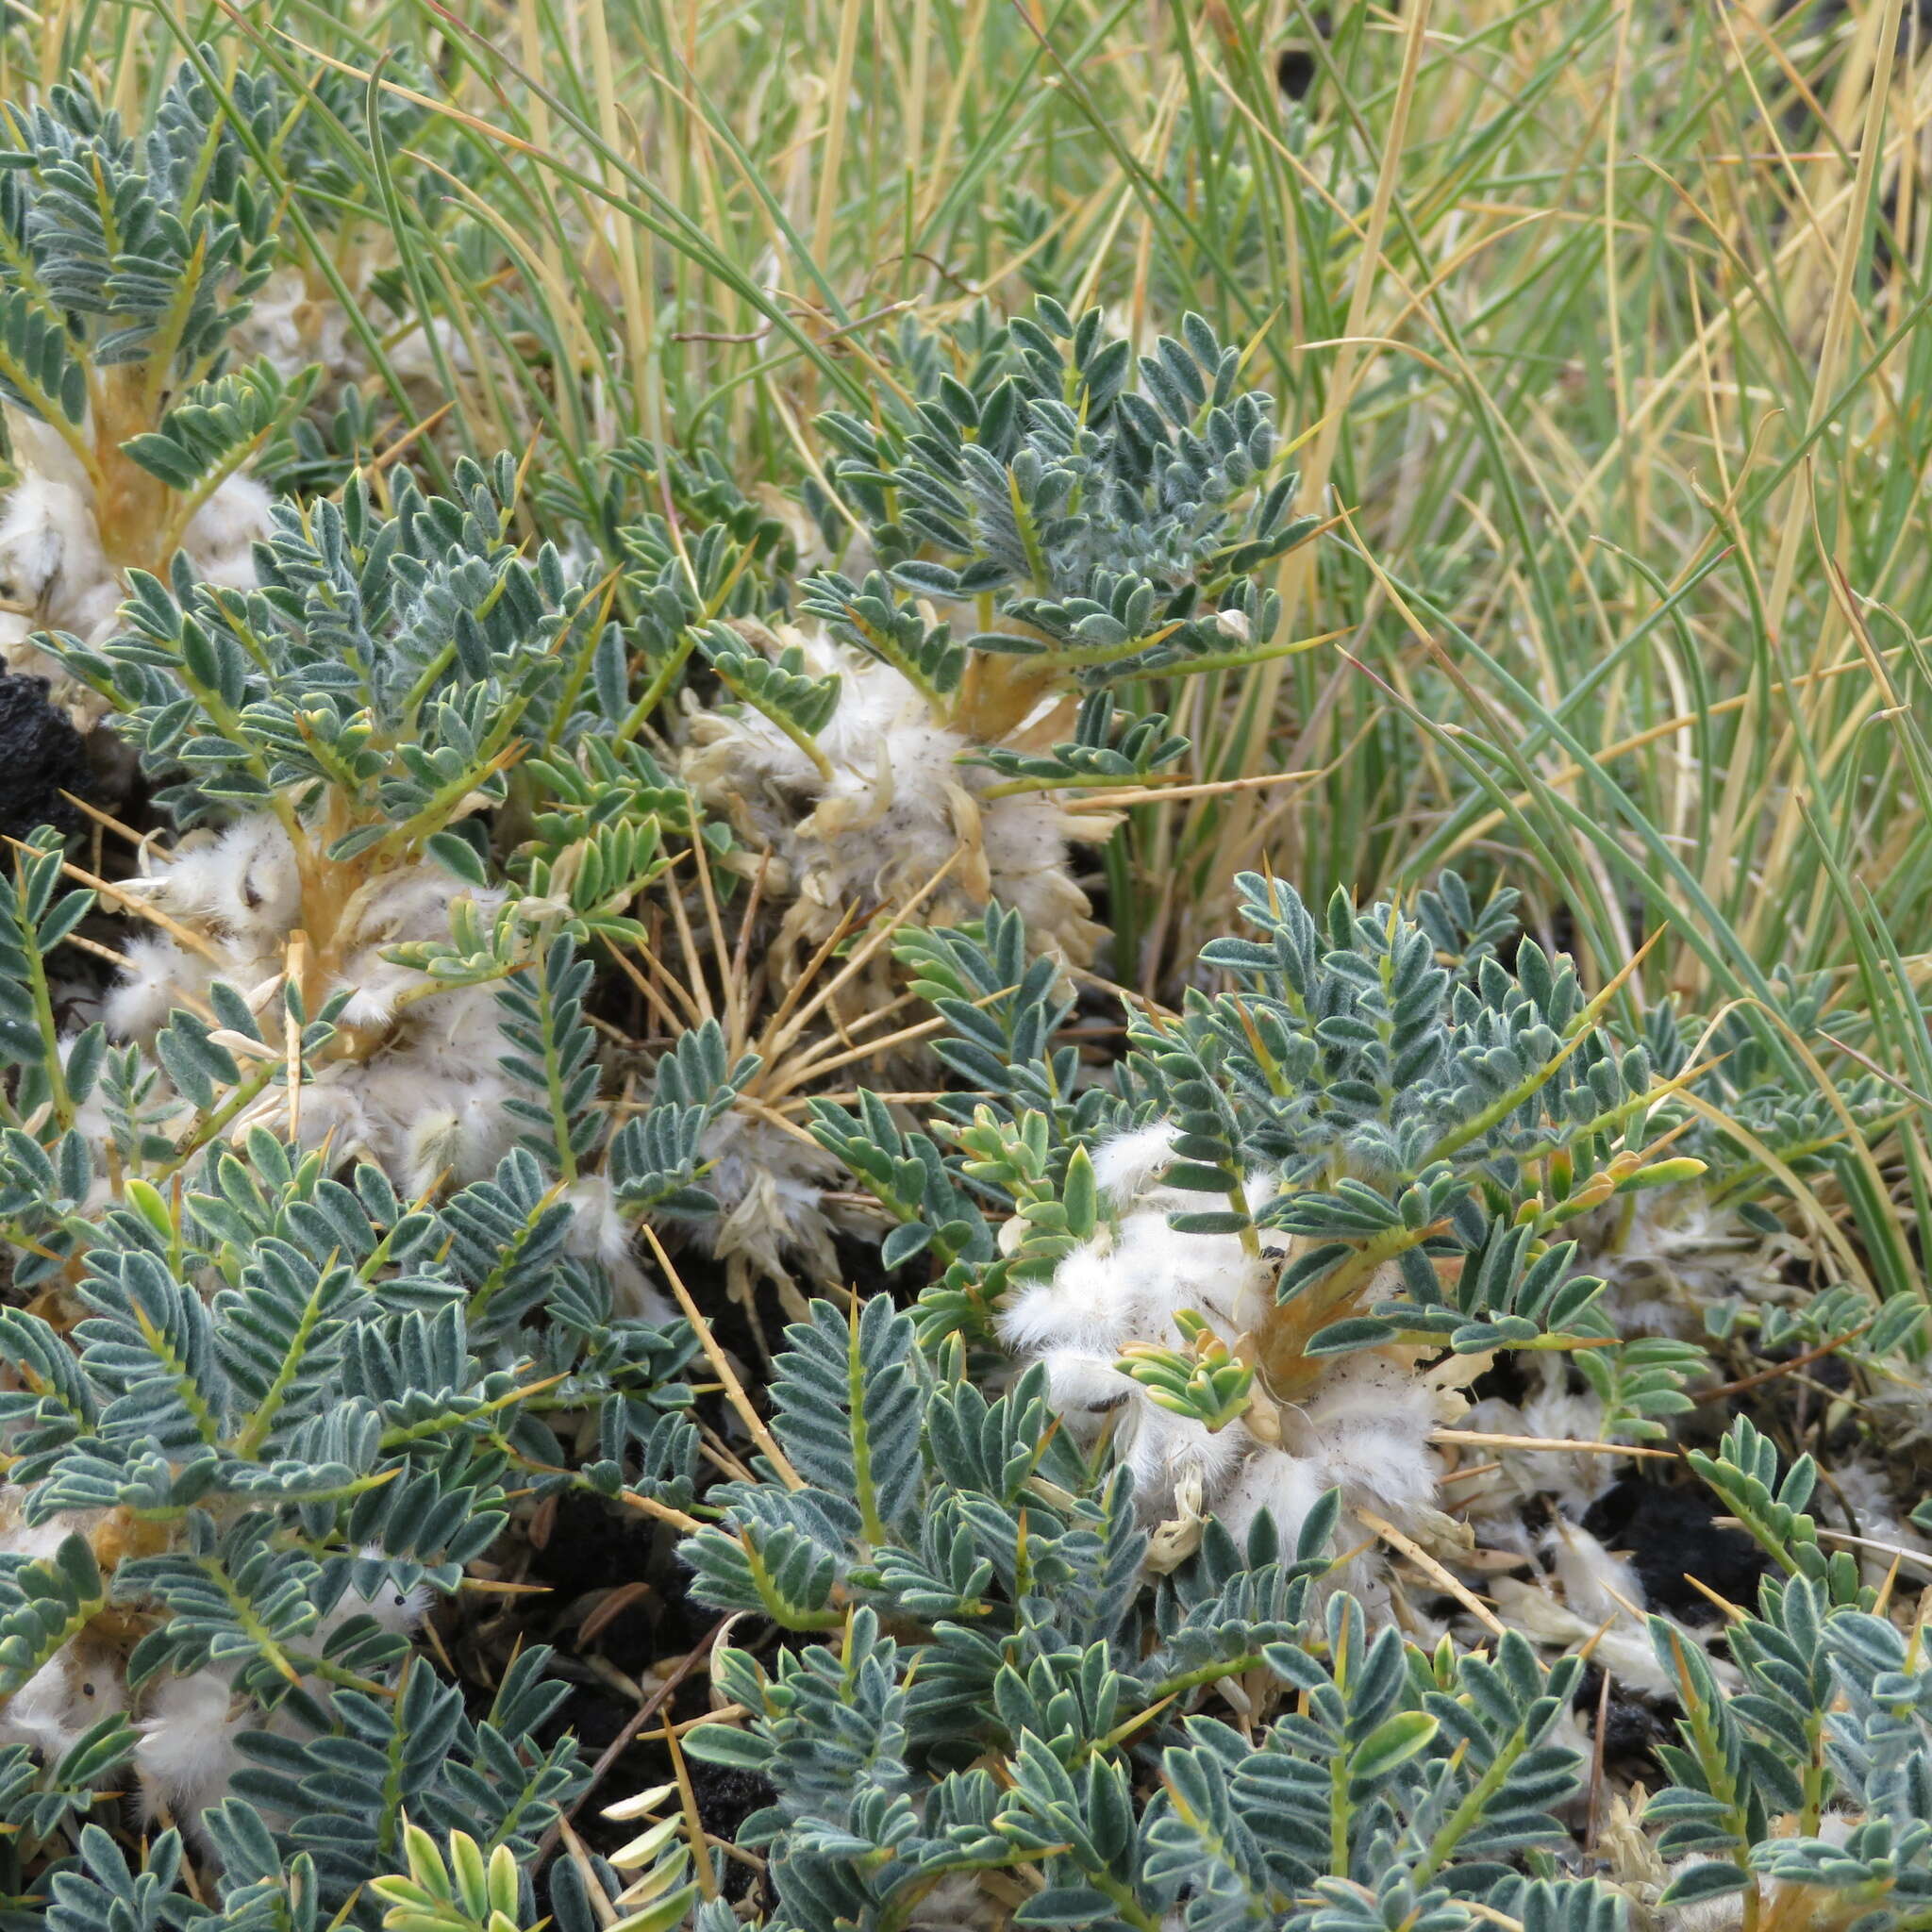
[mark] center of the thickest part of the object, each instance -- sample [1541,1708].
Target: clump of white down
[187,1727]
[83,1681]
[896,809]
[55,570]
[419,1092]
[191,1727]
[769,1186]
[1667,1255]
[1365,1430]
[1633,1864]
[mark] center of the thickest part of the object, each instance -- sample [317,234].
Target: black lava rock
[1670,1534]
[1294,71]
[1630,1728]
[42,756]
[727,1796]
[1295,65]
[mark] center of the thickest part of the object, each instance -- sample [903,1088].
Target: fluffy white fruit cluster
[188,1728]
[1636,1868]
[293,328]
[1364,1430]
[897,808]
[418,1089]
[57,563]
[769,1186]
[84,1680]
[191,1727]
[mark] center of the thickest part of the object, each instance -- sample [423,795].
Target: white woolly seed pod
[1668,1254]
[189,1737]
[421,1091]
[56,568]
[1364,1428]
[188,1749]
[770,1187]
[896,808]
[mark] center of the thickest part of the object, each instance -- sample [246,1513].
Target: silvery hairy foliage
[387,658]
[1099,496]
[995,1690]
[160,338]
[1377,1089]
[148,243]
[997,1694]
[132,253]
[364,707]
[1113,512]
[323,1189]
[1015,555]
[266,1402]
[290,1400]
[1371,1100]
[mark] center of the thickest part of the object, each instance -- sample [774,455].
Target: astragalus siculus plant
[130,254]
[1084,526]
[941,989]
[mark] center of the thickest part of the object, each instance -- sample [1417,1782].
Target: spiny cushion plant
[269,1402]
[1221,1274]
[130,255]
[553,898]
[1375,1129]
[1036,527]
[157,343]
[1038,1756]
[331,737]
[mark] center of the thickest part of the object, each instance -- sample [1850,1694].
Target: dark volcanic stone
[42,756]
[1294,69]
[1670,1533]
[1629,1727]
[727,1796]
[1296,66]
